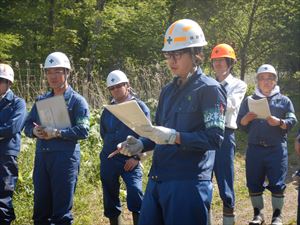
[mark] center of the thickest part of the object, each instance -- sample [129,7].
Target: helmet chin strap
[64,84]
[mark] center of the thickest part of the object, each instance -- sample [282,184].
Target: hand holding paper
[260,107]
[131,114]
[50,133]
[160,135]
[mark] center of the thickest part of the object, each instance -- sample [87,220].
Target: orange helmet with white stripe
[182,34]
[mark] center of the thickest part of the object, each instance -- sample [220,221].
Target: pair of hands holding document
[132,116]
[259,109]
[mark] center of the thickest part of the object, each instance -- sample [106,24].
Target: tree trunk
[51,17]
[246,43]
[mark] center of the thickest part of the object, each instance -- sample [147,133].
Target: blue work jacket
[79,116]
[113,131]
[196,111]
[12,117]
[259,131]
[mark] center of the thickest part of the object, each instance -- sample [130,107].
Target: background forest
[102,35]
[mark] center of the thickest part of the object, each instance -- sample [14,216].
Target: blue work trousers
[110,172]
[176,202]
[266,162]
[224,169]
[54,178]
[8,181]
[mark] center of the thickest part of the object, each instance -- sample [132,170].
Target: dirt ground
[244,211]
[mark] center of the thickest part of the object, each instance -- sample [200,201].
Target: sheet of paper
[53,112]
[260,107]
[132,116]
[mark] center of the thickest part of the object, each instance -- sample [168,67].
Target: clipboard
[53,112]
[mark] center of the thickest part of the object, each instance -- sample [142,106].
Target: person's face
[119,92]
[221,68]
[4,85]
[56,77]
[180,62]
[266,83]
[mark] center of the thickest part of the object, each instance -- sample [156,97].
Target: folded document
[260,107]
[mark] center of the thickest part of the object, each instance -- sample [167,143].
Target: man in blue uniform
[112,132]
[223,59]
[57,157]
[189,129]
[267,153]
[12,118]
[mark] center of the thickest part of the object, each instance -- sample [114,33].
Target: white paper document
[53,112]
[260,107]
[132,116]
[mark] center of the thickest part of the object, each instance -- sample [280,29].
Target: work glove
[132,146]
[160,135]
[50,133]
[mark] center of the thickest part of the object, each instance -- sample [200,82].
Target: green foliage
[7,42]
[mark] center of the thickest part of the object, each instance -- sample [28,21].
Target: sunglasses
[111,88]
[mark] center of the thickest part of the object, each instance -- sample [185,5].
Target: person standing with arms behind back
[12,118]
[267,153]
[223,59]
[189,130]
[57,157]
[112,132]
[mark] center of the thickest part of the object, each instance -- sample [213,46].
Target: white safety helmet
[57,59]
[182,34]
[266,68]
[116,77]
[6,72]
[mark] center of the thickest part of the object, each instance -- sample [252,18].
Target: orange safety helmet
[223,50]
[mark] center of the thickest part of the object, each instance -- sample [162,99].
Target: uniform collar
[275,91]
[8,95]
[197,72]
[67,94]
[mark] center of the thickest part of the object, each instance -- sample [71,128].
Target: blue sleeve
[145,109]
[31,118]
[79,130]
[16,120]
[210,136]
[244,109]
[290,117]
[102,127]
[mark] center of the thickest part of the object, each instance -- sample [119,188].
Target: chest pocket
[278,108]
[188,116]
[6,112]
